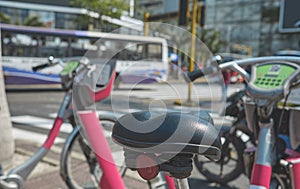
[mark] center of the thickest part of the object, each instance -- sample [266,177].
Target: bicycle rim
[82,168]
[228,168]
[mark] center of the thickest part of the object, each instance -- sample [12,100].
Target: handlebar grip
[36,68]
[192,76]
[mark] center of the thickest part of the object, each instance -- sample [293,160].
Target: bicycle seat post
[181,183]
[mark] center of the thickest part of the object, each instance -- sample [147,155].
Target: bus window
[80,46]
[150,51]
[6,45]
[21,42]
[20,45]
[154,51]
[53,45]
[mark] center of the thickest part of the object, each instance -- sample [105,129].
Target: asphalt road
[44,104]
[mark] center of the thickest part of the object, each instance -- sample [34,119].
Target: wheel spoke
[221,169]
[234,159]
[207,161]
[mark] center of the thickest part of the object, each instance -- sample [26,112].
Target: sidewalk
[46,173]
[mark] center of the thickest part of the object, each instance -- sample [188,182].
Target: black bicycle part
[192,76]
[39,67]
[233,146]
[278,183]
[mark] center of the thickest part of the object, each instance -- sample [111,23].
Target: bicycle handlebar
[236,65]
[192,76]
[39,67]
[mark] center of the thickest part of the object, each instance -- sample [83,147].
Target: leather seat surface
[172,132]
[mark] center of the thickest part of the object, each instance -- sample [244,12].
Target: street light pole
[131,8]
[146,24]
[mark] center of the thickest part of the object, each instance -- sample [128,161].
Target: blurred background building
[53,14]
[253,23]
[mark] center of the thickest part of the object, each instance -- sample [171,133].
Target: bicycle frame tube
[58,122]
[26,168]
[105,92]
[294,168]
[111,178]
[262,168]
[170,182]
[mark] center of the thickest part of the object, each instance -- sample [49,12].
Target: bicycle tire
[233,146]
[277,184]
[79,166]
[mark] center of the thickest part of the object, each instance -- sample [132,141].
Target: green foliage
[211,38]
[111,8]
[33,21]
[83,22]
[4,18]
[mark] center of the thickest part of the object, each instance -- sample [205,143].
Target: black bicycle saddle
[172,132]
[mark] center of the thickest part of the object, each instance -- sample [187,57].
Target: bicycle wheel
[79,166]
[229,167]
[278,182]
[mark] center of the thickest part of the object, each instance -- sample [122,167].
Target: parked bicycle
[92,80]
[180,166]
[275,161]
[89,169]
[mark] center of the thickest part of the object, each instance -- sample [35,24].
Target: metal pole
[146,24]
[181,183]
[193,39]
[131,8]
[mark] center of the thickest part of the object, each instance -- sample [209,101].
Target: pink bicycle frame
[111,177]
[26,168]
[262,168]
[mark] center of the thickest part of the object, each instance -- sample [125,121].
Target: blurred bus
[143,58]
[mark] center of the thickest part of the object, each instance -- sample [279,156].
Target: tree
[211,38]
[6,138]
[33,21]
[4,18]
[112,8]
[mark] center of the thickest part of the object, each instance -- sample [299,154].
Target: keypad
[268,82]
